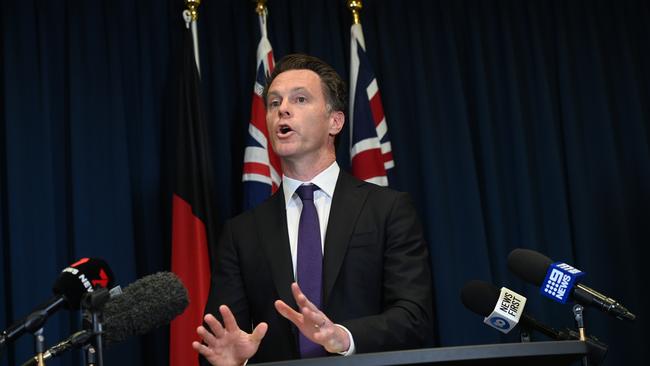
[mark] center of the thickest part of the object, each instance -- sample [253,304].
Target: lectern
[555,353]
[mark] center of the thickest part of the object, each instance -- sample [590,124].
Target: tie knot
[306,192]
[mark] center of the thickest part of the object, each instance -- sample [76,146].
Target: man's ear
[337,120]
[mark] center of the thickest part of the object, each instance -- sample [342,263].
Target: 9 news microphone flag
[262,172]
[192,216]
[370,148]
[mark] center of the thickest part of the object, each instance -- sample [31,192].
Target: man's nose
[284,110]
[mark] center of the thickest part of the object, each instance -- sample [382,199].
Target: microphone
[146,304]
[73,282]
[559,281]
[482,298]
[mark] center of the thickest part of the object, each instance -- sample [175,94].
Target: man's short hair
[334,87]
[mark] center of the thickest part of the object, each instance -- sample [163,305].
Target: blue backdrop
[513,124]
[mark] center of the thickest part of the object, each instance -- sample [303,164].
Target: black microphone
[535,268]
[74,281]
[481,297]
[148,303]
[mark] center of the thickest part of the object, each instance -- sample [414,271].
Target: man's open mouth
[284,129]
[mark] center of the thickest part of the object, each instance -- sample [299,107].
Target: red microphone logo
[103,279]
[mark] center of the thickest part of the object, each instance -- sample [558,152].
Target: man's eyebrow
[300,89]
[294,90]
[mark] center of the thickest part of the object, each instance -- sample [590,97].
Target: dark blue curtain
[513,124]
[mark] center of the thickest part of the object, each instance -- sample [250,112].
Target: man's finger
[214,324]
[228,319]
[300,297]
[288,312]
[259,332]
[295,289]
[201,348]
[297,292]
[206,336]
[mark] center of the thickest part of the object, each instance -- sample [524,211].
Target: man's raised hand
[227,345]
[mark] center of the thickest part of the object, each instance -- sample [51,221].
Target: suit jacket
[376,271]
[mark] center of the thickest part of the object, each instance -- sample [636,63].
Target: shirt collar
[325,180]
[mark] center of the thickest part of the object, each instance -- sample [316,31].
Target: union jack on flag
[262,173]
[370,149]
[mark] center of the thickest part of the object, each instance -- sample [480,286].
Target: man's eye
[301,99]
[274,103]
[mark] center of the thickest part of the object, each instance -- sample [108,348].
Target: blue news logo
[559,281]
[499,322]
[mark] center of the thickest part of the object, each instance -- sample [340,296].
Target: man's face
[299,123]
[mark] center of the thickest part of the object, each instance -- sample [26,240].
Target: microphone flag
[507,311]
[559,281]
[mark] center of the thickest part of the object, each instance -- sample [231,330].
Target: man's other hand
[313,323]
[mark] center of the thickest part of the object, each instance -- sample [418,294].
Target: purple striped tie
[310,262]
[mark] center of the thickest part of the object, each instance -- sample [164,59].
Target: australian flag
[370,149]
[262,173]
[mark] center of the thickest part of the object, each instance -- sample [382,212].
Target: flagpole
[191,15]
[355,6]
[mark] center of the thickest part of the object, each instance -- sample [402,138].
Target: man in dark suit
[369,287]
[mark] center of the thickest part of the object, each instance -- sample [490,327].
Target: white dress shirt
[326,181]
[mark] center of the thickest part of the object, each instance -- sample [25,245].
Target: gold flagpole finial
[261,7]
[192,5]
[355,6]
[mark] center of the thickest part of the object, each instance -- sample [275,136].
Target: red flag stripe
[376,108]
[257,168]
[368,164]
[269,59]
[388,156]
[190,261]
[258,114]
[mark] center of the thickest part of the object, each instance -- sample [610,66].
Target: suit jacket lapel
[346,206]
[272,220]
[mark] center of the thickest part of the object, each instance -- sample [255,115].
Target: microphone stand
[39,346]
[35,323]
[524,334]
[596,350]
[580,324]
[94,303]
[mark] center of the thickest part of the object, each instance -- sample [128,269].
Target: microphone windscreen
[82,277]
[529,265]
[479,297]
[146,304]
